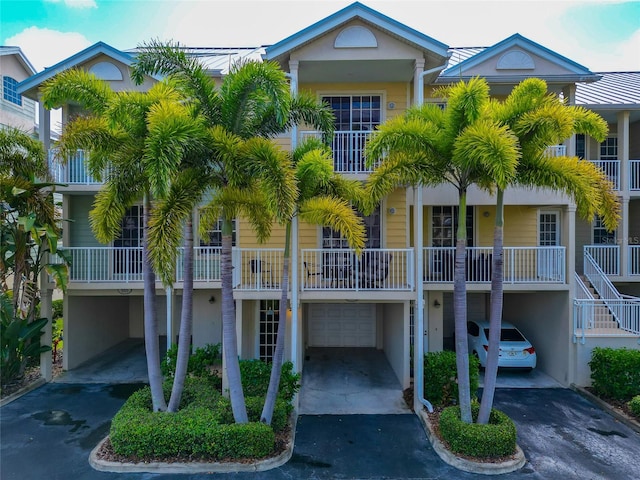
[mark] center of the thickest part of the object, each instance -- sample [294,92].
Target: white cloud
[77,3]
[37,43]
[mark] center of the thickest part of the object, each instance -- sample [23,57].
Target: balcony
[607,257]
[348,150]
[634,260]
[74,171]
[124,265]
[521,264]
[611,168]
[556,151]
[372,270]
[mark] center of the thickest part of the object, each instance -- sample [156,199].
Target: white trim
[558,213]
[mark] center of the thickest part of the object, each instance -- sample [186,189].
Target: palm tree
[540,119]
[460,145]
[116,132]
[248,175]
[323,199]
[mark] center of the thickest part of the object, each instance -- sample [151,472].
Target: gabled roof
[469,58]
[28,87]
[355,10]
[17,51]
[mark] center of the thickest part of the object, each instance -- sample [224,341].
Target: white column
[169,294]
[623,157]
[44,128]
[570,261]
[418,82]
[623,239]
[296,351]
[569,94]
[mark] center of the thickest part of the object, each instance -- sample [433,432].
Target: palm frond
[336,214]
[21,155]
[78,86]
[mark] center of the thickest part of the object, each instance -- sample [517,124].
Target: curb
[14,396]
[195,467]
[614,412]
[469,465]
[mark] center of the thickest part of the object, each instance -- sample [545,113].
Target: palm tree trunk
[186,320]
[278,354]
[460,312]
[151,341]
[495,312]
[229,336]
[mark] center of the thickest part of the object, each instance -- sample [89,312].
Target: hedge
[495,439]
[441,377]
[634,405]
[202,428]
[615,373]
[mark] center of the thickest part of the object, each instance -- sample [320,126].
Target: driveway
[50,432]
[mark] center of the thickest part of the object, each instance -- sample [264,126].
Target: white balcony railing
[556,150]
[595,317]
[104,264]
[634,259]
[342,269]
[72,172]
[348,150]
[258,269]
[520,264]
[611,168]
[607,257]
[634,175]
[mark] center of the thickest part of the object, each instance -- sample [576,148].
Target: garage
[342,325]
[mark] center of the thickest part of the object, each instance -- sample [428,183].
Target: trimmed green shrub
[201,361]
[255,379]
[495,439]
[440,377]
[254,410]
[615,373]
[634,406]
[57,308]
[202,428]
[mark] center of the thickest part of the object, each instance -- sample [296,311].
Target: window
[332,239]
[131,228]
[581,146]
[214,235]
[9,89]
[269,317]
[355,112]
[355,116]
[444,225]
[600,234]
[609,149]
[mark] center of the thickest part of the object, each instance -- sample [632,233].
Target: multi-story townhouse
[15,110]
[398,293]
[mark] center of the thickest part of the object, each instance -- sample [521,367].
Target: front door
[548,236]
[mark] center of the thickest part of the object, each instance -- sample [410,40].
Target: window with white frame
[10,90]
[581,146]
[213,236]
[444,226]
[600,234]
[355,112]
[372,225]
[269,317]
[609,149]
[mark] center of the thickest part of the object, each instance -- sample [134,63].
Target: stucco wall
[395,325]
[93,325]
[583,354]
[207,318]
[545,319]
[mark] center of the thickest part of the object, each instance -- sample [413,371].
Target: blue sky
[601,35]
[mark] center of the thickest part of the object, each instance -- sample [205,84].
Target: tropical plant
[460,145]
[116,130]
[28,233]
[539,119]
[248,175]
[323,199]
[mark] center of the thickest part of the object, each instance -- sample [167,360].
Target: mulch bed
[619,404]
[31,375]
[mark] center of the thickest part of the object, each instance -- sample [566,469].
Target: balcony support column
[44,128]
[623,152]
[623,240]
[570,252]
[569,94]
[418,82]
[294,270]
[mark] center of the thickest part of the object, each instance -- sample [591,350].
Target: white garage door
[342,325]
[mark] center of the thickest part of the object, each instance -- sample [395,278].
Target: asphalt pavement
[49,433]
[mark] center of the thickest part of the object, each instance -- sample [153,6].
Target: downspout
[419,240]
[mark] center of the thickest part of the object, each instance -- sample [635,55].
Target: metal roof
[219,59]
[614,88]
